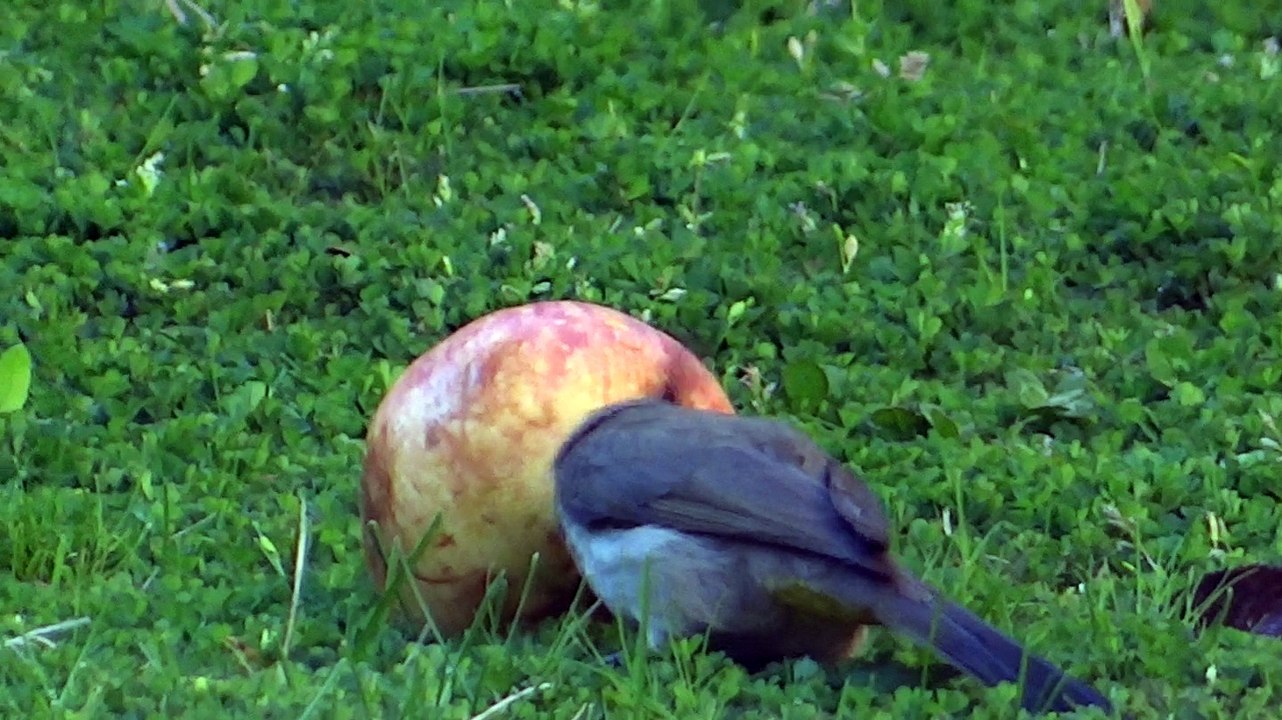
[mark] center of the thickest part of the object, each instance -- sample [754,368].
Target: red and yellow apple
[469,432]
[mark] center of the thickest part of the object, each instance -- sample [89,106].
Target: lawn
[1024,275]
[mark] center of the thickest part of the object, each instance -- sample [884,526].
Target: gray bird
[744,529]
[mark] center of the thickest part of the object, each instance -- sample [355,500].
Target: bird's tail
[972,645]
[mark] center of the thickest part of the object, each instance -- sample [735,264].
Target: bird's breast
[615,562]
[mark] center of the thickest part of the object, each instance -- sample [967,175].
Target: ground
[1022,273]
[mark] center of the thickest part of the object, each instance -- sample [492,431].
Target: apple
[469,431]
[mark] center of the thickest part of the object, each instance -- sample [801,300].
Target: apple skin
[469,431]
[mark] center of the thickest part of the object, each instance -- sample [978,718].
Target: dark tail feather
[978,648]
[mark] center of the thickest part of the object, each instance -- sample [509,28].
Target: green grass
[1033,295]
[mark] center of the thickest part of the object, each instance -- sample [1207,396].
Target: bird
[742,529]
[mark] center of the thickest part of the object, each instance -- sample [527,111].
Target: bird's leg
[656,636]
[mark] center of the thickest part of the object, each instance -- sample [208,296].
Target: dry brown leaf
[912,65]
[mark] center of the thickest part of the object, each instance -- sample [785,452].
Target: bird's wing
[857,503]
[710,474]
[850,496]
